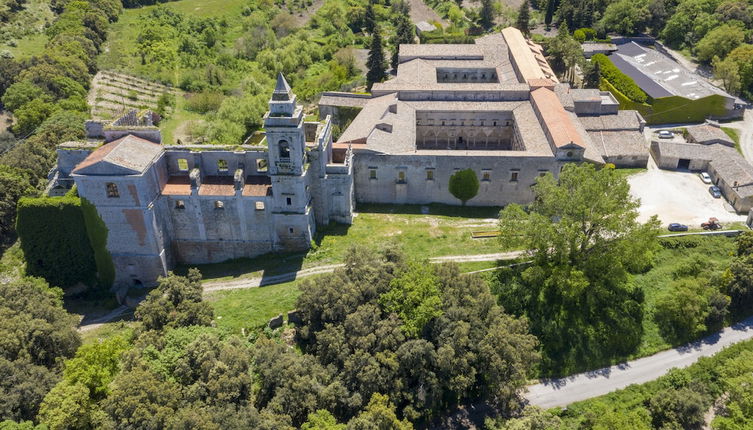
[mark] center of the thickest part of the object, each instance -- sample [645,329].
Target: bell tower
[285,131]
[286,140]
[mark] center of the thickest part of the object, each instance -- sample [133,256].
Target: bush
[622,82]
[54,240]
[204,102]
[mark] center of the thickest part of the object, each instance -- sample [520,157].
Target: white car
[705,177]
[666,134]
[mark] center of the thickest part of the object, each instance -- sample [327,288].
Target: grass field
[23,36]
[252,308]
[445,230]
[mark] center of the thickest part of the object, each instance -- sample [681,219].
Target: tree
[370,19]
[592,78]
[379,414]
[405,34]
[532,418]
[414,296]
[728,72]
[14,184]
[487,14]
[21,93]
[682,310]
[626,16]
[576,292]
[677,408]
[23,385]
[719,42]
[375,62]
[464,185]
[524,17]
[322,420]
[563,51]
[176,302]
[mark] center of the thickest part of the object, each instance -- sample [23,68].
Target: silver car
[705,177]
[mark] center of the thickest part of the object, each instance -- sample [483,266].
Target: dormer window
[284,149]
[112,190]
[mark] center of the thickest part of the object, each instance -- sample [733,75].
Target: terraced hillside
[113,93]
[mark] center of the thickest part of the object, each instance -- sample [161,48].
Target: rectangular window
[372,173]
[112,190]
[261,165]
[291,230]
[182,164]
[514,176]
[486,175]
[543,173]
[401,177]
[429,174]
[222,165]
[289,201]
[180,204]
[259,206]
[219,205]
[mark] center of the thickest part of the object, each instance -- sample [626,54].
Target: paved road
[291,276]
[97,322]
[563,391]
[746,134]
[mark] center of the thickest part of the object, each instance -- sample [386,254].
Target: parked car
[715,191]
[666,134]
[676,226]
[705,177]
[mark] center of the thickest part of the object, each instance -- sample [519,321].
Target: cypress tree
[592,79]
[375,62]
[487,14]
[524,16]
[370,19]
[405,34]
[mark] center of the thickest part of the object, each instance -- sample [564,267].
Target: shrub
[204,102]
[622,82]
[464,185]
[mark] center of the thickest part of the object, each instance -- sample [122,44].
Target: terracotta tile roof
[177,186]
[217,186]
[257,186]
[555,119]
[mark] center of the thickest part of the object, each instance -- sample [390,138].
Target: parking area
[678,197]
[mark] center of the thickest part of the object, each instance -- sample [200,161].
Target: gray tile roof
[707,133]
[128,155]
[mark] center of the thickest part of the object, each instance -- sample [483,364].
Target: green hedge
[438,36]
[54,240]
[624,83]
[671,110]
[97,232]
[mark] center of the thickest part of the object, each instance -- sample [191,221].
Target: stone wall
[500,189]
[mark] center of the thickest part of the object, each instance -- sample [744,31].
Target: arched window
[284,148]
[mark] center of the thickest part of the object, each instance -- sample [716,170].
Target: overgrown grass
[251,308]
[445,230]
[716,251]
[734,134]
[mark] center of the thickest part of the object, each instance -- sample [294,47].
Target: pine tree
[487,14]
[370,19]
[405,33]
[592,78]
[524,16]
[375,62]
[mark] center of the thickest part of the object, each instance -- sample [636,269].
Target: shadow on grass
[433,209]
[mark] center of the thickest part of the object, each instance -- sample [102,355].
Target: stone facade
[208,204]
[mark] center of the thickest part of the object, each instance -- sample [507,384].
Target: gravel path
[291,276]
[563,391]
